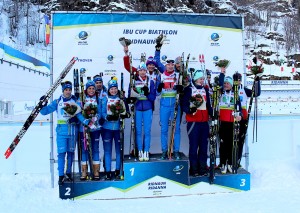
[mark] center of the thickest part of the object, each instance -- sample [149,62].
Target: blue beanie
[97,78]
[142,66]
[65,85]
[112,83]
[229,80]
[151,60]
[198,74]
[90,84]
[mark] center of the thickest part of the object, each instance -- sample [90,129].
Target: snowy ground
[275,188]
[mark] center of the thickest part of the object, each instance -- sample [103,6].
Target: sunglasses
[170,61]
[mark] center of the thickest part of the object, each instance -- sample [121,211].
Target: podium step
[154,178]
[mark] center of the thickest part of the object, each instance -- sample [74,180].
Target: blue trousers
[94,145]
[108,136]
[143,118]
[198,139]
[61,162]
[65,146]
[166,114]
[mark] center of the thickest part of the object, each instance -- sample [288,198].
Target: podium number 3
[243,182]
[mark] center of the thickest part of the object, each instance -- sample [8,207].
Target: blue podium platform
[155,178]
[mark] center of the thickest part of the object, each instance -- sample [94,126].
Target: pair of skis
[86,130]
[182,73]
[214,130]
[38,108]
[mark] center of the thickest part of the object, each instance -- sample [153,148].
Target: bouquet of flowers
[71,109]
[90,111]
[196,100]
[257,70]
[117,108]
[222,63]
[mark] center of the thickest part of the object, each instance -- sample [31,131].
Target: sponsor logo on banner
[82,37]
[214,38]
[110,72]
[85,60]
[110,59]
[157,187]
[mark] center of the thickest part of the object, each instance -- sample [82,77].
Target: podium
[154,178]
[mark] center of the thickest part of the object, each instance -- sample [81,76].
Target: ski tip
[7,153]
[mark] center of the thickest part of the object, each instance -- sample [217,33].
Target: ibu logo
[214,39]
[216,58]
[164,58]
[82,37]
[110,59]
[82,71]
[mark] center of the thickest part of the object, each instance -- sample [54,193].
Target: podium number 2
[68,191]
[132,171]
[243,182]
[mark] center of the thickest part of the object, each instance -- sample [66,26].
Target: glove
[112,117]
[158,46]
[73,120]
[46,102]
[127,115]
[193,110]
[178,88]
[86,122]
[160,86]
[132,100]
[146,90]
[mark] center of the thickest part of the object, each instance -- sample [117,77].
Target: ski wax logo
[214,38]
[82,37]
[110,59]
[177,169]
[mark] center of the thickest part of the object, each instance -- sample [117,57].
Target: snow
[274,189]
[274,168]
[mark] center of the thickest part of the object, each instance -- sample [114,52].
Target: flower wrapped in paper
[117,108]
[196,101]
[222,63]
[257,70]
[90,112]
[71,109]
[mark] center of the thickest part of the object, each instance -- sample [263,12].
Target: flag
[47,28]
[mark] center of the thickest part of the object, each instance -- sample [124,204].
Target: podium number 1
[132,171]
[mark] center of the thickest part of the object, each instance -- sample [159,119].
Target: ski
[38,108]
[122,127]
[214,131]
[77,94]
[183,69]
[236,125]
[85,131]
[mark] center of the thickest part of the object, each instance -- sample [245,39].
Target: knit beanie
[151,60]
[197,74]
[90,84]
[142,66]
[229,80]
[112,83]
[65,85]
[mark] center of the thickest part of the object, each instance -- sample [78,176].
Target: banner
[94,39]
